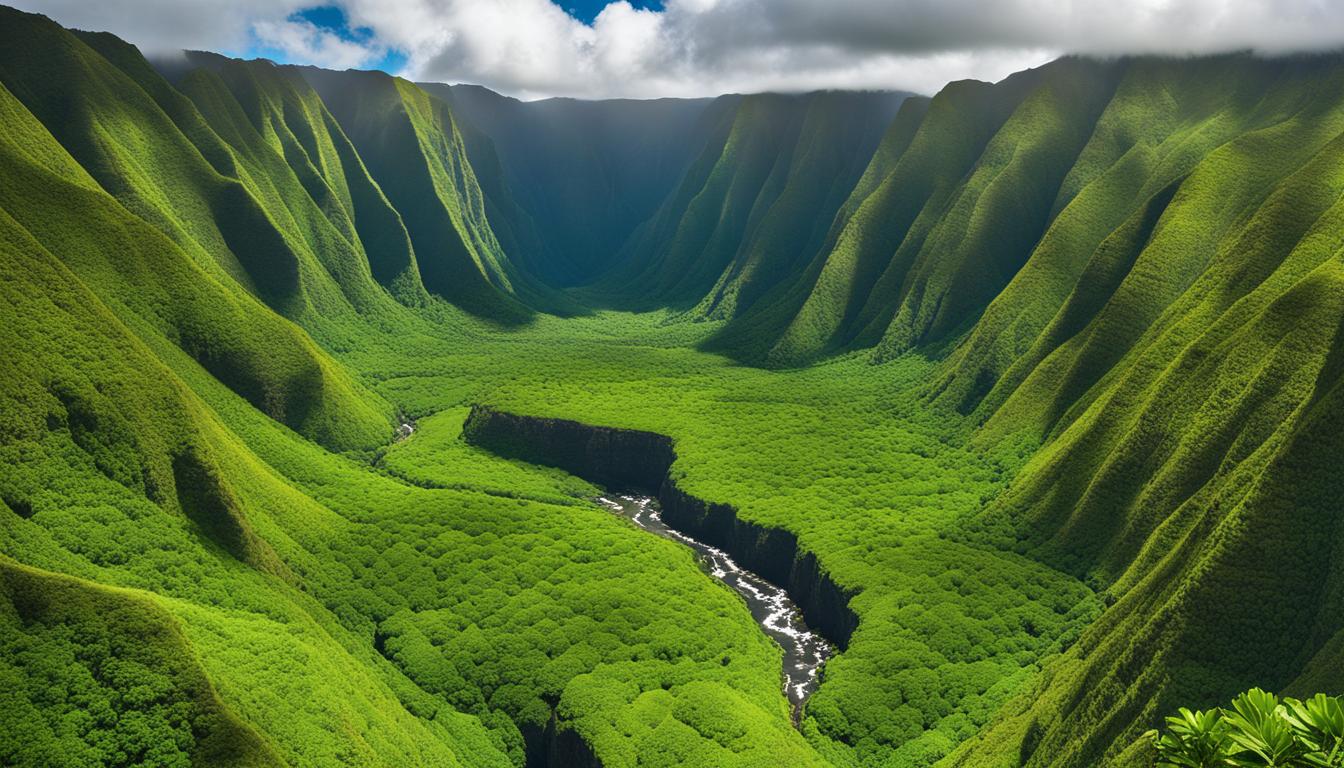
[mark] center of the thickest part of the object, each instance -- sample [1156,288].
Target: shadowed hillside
[758,194]
[583,174]
[413,149]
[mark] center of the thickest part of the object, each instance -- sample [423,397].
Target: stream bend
[805,651]
[640,462]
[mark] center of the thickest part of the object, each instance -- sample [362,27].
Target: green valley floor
[430,571]
[844,454]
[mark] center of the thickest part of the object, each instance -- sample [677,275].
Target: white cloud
[166,25]
[302,41]
[700,47]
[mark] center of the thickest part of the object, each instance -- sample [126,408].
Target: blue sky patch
[587,10]
[332,19]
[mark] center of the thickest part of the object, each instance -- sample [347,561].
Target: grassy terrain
[1069,428]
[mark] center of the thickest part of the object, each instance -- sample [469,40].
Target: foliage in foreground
[1259,730]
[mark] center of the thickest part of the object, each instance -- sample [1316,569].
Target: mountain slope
[155,266]
[116,473]
[950,222]
[93,646]
[1186,392]
[266,114]
[411,146]
[735,224]
[585,173]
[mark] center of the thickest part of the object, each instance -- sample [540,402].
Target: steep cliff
[628,459]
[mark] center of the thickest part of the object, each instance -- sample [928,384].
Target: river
[804,650]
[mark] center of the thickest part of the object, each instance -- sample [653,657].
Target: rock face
[566,749]
[556,746]
[629,459]
[615,458]
[772,553]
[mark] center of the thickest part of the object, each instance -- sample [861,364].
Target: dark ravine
[773,553]
[557,747]
[636,460]
[544,747]
[615,458]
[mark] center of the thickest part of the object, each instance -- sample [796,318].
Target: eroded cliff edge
[629,459]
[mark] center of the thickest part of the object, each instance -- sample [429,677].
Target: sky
[653,48]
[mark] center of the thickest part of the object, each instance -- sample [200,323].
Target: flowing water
[804,650]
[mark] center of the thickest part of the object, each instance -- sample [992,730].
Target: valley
[335,410]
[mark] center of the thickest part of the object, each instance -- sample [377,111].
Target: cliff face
[615,458]
[566,749]
[636,460]
[771,552]
[556,746]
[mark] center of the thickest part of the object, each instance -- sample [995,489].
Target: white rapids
[804,650]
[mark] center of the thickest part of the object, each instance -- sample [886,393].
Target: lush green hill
[966,183]
[1191,413]
[412,147]
[140,225]
[1064,421]
[267,115]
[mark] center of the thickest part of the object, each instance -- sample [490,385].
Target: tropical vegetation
[1045,374]
[1258,730]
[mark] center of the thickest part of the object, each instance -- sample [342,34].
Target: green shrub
[1259,730]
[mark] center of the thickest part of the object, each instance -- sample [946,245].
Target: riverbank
[641,461]
[804,651]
